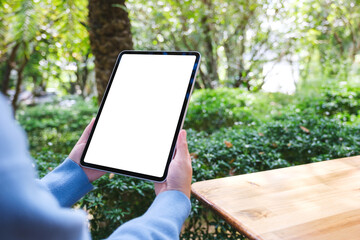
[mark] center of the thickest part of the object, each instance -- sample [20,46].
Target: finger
[182,151]
[177,143]
[85,135]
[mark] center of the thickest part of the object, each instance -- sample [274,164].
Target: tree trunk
[9,66]
[109,30]
[20,71]
[210,49]
[82,73]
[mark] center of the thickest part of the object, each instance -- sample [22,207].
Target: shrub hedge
[210,110]
[229,132]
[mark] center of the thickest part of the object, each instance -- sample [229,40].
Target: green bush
[210,110]
[276,132]
[56,126]
[342,102]
[285,141]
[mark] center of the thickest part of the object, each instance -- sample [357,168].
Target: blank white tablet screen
[138,121]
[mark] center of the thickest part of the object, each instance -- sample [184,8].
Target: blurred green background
[279,85]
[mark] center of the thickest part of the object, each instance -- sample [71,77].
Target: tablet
[141,114]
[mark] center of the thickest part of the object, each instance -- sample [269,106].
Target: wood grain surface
[313,201]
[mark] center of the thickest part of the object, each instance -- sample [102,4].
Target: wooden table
[313,201]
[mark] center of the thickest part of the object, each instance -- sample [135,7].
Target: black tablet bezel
[178,127]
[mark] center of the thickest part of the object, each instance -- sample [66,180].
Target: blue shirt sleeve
[163,220]
[68,183]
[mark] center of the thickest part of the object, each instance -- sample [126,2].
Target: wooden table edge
[238,226]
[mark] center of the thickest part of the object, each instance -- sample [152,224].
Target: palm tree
[109,30]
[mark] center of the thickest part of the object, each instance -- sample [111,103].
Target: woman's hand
[78,149]
[180,170]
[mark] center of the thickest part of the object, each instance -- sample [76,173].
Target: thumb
[85,135]
[182,146]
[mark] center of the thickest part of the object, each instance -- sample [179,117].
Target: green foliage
[291,139]
[210,110]
[342,103]
[231,36]
[329,37]
[297,130]
[239,40]
[51,37]
[56,126]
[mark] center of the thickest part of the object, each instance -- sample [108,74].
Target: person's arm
[163,220]
[27,211]
[166,215]
[69,181]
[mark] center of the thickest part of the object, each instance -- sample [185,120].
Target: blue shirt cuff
[163,220]
[68,183]
[173,204]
